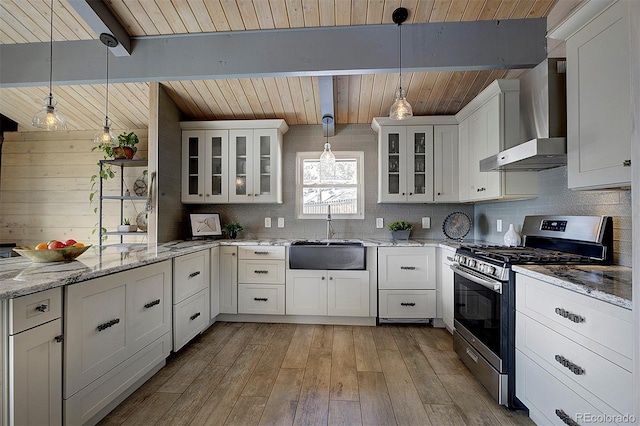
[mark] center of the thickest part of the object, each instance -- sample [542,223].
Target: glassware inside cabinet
[193,165]
[394,183]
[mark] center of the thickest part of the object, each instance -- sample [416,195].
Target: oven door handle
[489,283]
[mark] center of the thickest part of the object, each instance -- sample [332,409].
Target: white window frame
[358,156]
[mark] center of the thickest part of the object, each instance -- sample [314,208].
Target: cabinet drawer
[407,303]
[261,271]
[260,299]
[34,309]
[407,268]
[574,364]
[190,274]
[261,252]
[548,398]
[602,327]
[190,317]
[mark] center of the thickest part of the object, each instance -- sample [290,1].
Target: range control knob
[488,269]
[471,263]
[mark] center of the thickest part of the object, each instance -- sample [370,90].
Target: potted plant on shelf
[232,229]
[400,230]
[127,226]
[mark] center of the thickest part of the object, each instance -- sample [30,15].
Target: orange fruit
[78,245]
[42,246]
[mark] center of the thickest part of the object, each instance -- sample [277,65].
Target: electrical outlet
[281,222]
[379,222]
[267,222]
[426,222]
[499,225]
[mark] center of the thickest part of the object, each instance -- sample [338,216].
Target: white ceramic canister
[511,237]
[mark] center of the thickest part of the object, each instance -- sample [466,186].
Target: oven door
[478,312]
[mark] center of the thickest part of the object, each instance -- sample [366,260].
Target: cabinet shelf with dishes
[124,194]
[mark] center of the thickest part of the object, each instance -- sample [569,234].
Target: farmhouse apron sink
[332,255]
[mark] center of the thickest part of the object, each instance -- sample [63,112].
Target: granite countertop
[608,283]
[19,276]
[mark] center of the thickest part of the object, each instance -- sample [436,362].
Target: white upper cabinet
[410,167]
[598,95]
[235,161]
[489,124]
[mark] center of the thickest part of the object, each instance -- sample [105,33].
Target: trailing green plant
[126,221]
[400,225]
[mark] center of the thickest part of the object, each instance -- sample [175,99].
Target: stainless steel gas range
[485,288]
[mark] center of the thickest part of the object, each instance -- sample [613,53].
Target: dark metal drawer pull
[152,303]
[409,268]
[566,418]
[626,163]
[108,324]
[407,304]
[260,299]
[194,274]
[260,272]
[575,369]
[569,315]
[42,308]
[260,252]
[59,338]
[194,316]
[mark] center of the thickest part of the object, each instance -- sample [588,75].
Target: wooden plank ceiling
[358,98]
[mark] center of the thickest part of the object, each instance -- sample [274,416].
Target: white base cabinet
[191,312]
[333,293]
[117,328]
[228,303]
[33,359]
[214,288]
[573,355]
[445,281]
[261,280]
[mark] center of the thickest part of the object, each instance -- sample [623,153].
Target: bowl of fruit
[53,251]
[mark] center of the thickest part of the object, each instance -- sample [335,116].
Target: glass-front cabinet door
[393,155]
[204,166]
[420,163]
[253,166]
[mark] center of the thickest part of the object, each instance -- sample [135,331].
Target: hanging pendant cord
[106,107]
[400,54]
[51,54]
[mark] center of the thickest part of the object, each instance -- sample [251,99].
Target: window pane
[342,200]
[344,172]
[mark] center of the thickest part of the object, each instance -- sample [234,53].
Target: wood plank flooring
[288,374]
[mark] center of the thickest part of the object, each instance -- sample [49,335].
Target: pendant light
[105,137]
[327,156]
[49,118]
[400,109]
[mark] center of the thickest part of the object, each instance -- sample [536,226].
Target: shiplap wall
[45,182]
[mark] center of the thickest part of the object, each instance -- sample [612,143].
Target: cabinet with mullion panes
[204,156]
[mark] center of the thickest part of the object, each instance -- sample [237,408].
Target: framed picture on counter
[205,224]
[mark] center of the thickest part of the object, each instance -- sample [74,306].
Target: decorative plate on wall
[456,226]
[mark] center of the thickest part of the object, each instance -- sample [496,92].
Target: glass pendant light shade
[327,156]
[105,137]
[400,109]
[49,118]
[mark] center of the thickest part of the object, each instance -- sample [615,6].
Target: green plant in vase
[400,230]
[232,229]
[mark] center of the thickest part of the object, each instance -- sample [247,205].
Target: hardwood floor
[288,374]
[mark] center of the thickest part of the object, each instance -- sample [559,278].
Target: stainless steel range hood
[543,122]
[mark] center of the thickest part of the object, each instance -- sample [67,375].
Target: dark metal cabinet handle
[569,315]
[42,308]
[323,278]
[59,338]
[108,324]
[260,299]
[626,163]
[233,254]
[260,272]
[566,418]
[194,274]
[194,316]
[409,268]
[330,278]
[260,252]
[152,303]
[407,304]
[575,369]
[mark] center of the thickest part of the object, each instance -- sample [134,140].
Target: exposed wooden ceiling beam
[321,51]
[98,16]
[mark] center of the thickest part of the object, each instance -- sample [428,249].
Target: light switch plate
[379,222]
[426,222]
[499,225]
[267,222]
[281,222]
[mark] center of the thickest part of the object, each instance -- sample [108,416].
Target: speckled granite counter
[19,276]
[608,283]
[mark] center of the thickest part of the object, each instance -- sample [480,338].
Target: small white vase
[511,237]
